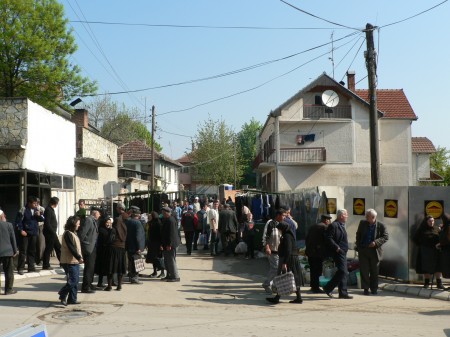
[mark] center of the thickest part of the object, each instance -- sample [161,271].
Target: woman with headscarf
[429,255]
[106,235]
[154,254]
[288,261]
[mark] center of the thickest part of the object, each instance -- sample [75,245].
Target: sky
[143,44]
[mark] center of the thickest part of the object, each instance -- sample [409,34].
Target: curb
[417,291]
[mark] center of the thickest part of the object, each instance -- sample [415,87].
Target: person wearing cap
[189,222]
[88,233]
[51,237]
[316,250]
[8,250]
[135,242]
[196,205]
[169,244]
[370,237]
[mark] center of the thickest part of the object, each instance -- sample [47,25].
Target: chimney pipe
[351,80]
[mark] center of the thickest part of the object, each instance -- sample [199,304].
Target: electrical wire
[317,17]
[197,26]
[250,89]
[415,15]
[232,72]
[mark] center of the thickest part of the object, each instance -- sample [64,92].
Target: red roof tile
[138,150]
[392,102]
[422,145]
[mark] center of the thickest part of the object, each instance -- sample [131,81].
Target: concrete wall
[91,181]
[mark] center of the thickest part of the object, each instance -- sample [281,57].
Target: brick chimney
[351,80]
[80,118]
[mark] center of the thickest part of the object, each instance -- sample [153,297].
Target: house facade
[308,142]
[37,151]
[422,148]
[135,169]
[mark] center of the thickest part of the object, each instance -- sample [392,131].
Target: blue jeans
[71,287]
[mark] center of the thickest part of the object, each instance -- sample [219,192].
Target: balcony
[129,173]
[292,156]
[323,112]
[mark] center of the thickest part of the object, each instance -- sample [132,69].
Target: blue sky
[413,55]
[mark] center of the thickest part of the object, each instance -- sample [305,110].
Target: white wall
[51,142]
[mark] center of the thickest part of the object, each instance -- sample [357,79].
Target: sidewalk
[390,286]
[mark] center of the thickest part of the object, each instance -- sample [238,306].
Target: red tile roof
[138,150]
[392,102]
[422,145]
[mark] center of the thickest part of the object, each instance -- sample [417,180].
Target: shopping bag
[241,248]
[284,283]
[139,263]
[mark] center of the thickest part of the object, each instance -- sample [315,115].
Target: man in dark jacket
[337,242]
[228,226]
[88,233]
[27,224]
[135,242]
[316,250]
[8,249]
[189,222]
[370,237]
[169,244]
[51,237]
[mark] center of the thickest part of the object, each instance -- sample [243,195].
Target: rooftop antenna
[332,52]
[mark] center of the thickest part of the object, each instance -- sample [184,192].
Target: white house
[306,143]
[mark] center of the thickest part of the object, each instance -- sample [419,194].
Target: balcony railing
[310,155]
[128,173]
[320,111]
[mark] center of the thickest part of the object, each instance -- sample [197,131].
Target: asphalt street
[220,296]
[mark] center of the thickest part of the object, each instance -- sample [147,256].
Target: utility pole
[370,56]
[234,144]
[152,183]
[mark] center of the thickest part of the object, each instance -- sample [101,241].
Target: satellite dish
[330,98]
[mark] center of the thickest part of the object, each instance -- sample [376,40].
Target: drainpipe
[277,151]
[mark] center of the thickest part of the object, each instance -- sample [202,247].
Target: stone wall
[13,132]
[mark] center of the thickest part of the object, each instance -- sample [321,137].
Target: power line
[232,72]
[197,26]
[415,15]
[250,89]
[317,17]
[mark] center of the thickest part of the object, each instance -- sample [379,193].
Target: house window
[56,181]
[68,183]
[318,100]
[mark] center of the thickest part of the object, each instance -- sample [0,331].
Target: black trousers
[51,242]
[315,265]
[340,278]
[189,236]
[88,272]
[8,269]
[27,252]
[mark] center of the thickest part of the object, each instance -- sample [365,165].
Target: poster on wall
[435,208]
[359,206]
[390,208]
[331,205]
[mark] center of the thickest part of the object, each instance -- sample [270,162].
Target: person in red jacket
[189,221]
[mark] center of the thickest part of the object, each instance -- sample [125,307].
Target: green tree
[439,162]
[123,129]
[217,156]
[35,44]
[247,140]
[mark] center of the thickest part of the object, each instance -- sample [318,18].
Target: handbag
[285,283]
[139,263]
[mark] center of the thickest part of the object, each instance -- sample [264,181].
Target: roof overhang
[93,162]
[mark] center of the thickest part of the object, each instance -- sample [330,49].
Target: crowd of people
[111,247]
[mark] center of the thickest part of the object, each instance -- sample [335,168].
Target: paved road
[217,297]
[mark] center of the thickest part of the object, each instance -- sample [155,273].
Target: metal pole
[152,183]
